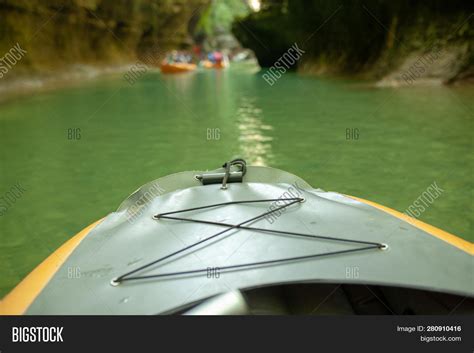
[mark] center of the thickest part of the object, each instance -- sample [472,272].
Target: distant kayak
[175,68]
[218,65]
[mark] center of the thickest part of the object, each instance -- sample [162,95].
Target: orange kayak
[176,68]
[210,65]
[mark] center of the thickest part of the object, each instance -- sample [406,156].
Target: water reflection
[255,143]
[180,83]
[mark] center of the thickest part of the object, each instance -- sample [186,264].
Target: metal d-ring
[227,165]
[114,282]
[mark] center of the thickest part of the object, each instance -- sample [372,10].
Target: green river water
[406,139]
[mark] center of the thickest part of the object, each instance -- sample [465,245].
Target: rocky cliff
[395,42]
[58,35]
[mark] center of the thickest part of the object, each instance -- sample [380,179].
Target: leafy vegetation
[219,16]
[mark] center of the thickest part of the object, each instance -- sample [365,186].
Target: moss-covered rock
[57,34]
[369,38]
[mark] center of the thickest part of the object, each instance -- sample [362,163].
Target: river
[78,152]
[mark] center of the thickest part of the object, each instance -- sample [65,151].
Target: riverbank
[75,75]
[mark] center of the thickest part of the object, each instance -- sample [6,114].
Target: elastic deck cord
[241,225]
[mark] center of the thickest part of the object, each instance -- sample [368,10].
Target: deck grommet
[383,247]
[114,282]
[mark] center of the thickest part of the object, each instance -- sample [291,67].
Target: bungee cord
[290,201]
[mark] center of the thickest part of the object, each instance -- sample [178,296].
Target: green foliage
[220,14]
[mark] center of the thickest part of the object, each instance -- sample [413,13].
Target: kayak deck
[133,238]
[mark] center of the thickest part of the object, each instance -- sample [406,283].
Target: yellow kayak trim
[20,298]
[449,238]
